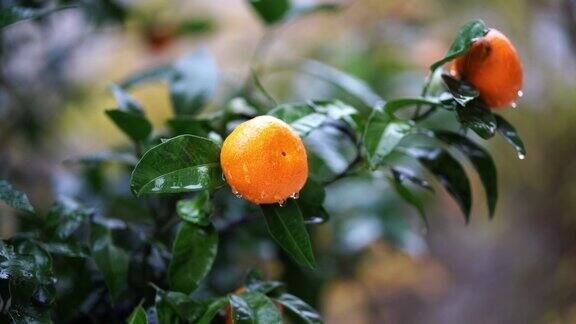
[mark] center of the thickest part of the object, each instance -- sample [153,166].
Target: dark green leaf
[300,308]
[403,173]
[193,82]
[212,309]
[254,282]
[125,102]
[510,134]
[394,105]
[173,304]
[14,14]
[270,11]
[98,158]
[160,73]
[136,126]
[14,198]
[310,202]
[465,37]
[111,260]
[476,116]
[241,311]
[69,249]
[138,316]
[193,210]
[449,173]
[410,198]
[286,226]
[180,164]
[65,217]
[193,253]
[181,125]
[461,91]
[383,133]
[263,308]
[482,162]
[342,80]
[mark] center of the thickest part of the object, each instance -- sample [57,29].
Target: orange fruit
[492,66]
[230,320]
[264,160]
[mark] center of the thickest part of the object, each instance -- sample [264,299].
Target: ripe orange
[264,160]
[492,66]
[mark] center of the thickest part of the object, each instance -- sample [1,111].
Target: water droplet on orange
[295,195]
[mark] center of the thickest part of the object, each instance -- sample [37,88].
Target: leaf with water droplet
[511,135]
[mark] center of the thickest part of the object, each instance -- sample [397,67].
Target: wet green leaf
[383,133]
[193,253]
[138,316]
[214,306]
[286,225]
[511,135]
[136,126]
[270,11]
[403,173]
[180,164]
[449,173]
[262,307]
[467,34]
[111,260]
[476,116]
[174,304]
[15,198]
[193,210]
[394,105]
[65,217]
[304,311]
[310,202]
[69,249]
[461,91]
[241,311]
[482,162]
[193,82]
[410,198]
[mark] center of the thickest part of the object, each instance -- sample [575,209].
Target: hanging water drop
[282,203]
[521,156]
[520,93]
[236,193]
[295,195]
[223,176]
[513,105]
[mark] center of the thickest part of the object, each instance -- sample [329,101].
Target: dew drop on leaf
[521,156]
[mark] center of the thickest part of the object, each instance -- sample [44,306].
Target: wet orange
[492,66]
[264,160]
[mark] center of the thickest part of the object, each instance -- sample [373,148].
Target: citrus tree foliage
[157,264]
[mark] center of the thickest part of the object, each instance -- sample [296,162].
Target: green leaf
[241,311]
[286,226]
[509,132]
[136,126]
[342,80]
[402,173]
[193,210]
[193,253]
[449,173]
[265,312]
[476,116]
[125,102]
[65,217]
[160,73]
[465,37]
[270,11]
[99,158]
[394,105]
[253,282]
[181,125]
[172,304]
[462,92]
[138,316]
[213,308]
[14,14]
[410,198]
[307,9]
[306,313]
[193,82]
[15,198]
[111,260]
[310,202]
[383,133]
[181,164]
[69,249]
[482,162]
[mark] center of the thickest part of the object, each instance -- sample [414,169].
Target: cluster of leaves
[155,265]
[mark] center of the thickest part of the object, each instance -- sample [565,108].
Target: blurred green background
[384,268]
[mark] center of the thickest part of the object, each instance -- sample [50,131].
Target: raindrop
[514,105]
[295,195]
[223,176]
[282,203]
[521,156]
[520,93]
[236,193]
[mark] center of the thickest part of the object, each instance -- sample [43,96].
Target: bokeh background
[383,266]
